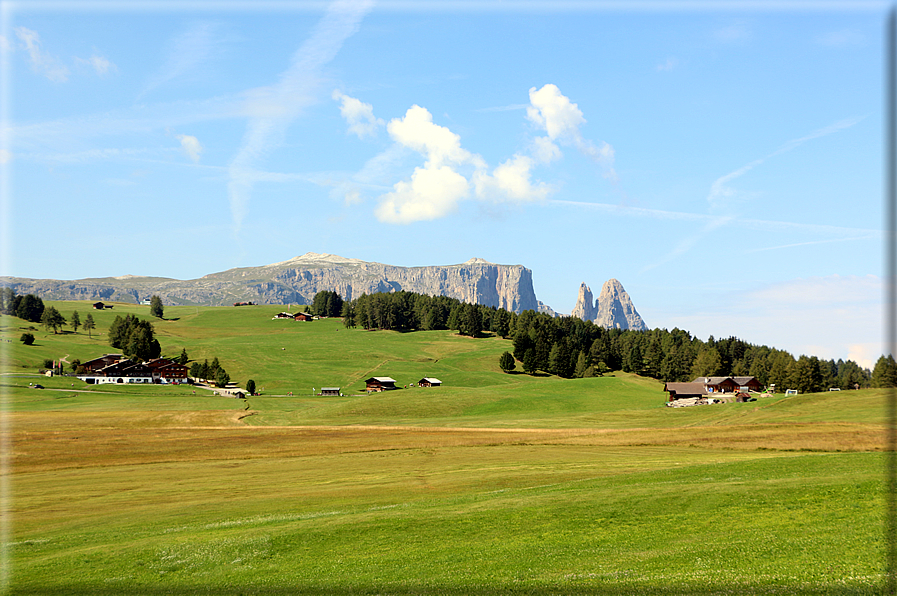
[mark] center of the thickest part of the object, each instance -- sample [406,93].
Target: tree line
[570,347]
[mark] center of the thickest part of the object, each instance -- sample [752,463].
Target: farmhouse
[165,370]
[717,384]
[283,315]
[429,382]
[123,371]
[747,383]
[303,316]
[103,361]
[330,391]
[380,384]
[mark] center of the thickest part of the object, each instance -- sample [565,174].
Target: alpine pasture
[491,484]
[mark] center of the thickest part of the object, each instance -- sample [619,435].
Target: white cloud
[438,144]
[511,180]
[545,151]
[5,156]
[561,119]
[436,188]
[41,62]
[191,146]
[101,65]
[551,110]
[433,192]
[359,115]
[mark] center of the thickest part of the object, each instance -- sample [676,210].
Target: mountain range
[297,280]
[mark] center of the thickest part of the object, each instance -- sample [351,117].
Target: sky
[722,160]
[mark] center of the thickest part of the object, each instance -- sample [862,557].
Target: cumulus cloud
[191,147]
[511,180]
[452,174]
[359,115]
[561,118]
[41,62]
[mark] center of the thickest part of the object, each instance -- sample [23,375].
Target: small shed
[330,391]
[99,305]
[429,382]
[380,384]
[684,390]
[747,383]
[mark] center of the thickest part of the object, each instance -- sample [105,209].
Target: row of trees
[408,311]
[211,372]
[28,307]
[327,304]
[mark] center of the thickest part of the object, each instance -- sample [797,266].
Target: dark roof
[712,380]
[683,389]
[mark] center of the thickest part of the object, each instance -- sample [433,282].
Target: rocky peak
[585,307]
[613,309]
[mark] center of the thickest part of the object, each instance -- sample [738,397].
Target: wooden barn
[380,384]
[429,382]
[684,390]
[330,392]
[303,316]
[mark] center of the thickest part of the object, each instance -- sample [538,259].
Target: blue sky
[722,160]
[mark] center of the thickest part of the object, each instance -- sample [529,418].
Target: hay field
[492,484]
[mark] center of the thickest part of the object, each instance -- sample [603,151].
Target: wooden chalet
[99,305]
[165,370]
[380,384]
[303,316]
[124,371]
[101,362]
[429,382]
[717,384]
[747,383]
[684,390]
[330,392]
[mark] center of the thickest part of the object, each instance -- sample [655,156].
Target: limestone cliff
[613,309]
[297,280]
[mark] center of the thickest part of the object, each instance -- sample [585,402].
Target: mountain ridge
[298,279]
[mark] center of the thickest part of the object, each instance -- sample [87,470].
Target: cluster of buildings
[703,387]
[376,384]
[115,368]
[299,316]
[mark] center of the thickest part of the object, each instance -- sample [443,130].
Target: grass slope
[491,484]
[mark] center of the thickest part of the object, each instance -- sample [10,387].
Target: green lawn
[491,484]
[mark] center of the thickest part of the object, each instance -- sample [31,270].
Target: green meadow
[491,484]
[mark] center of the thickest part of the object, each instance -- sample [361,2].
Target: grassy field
[491,484]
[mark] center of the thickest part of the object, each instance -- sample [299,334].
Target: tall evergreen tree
[89,324]
[156,308]
[76,321]
[52,319]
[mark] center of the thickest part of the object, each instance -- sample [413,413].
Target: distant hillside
[297,280]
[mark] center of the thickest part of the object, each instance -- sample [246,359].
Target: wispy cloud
[41,62]
[271,109]
[185,54]
[191,146]
[667,65]
[720,192]
[100,64]
[359,115]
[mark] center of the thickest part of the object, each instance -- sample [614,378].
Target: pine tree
[156,308]
[506,362]
[76,321]
[89,325]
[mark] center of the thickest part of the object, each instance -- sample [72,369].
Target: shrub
[27,338]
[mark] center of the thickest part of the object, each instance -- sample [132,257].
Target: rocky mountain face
[613,309]
[297,280]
